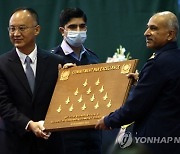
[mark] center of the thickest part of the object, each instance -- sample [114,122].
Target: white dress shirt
[32,55]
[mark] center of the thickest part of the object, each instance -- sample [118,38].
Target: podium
[84,94]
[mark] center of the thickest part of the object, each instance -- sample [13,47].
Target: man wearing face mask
[73,29]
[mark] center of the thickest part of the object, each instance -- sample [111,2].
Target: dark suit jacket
[154,104]
[88,57]
[18,105]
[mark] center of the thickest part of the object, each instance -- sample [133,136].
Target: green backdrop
[110,23]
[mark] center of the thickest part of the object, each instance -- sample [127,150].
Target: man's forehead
[156,19]
[76,21]
[21,17]
[21,13]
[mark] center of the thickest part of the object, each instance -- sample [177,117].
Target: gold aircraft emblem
[89,90]
[76,92]
[102,89]
[59,109]
[68,100]
[71,108]
[80,99]
[97,82]
[97,105]
[92,98]
[109,104]
[105,97]
[85,83]
[83,107]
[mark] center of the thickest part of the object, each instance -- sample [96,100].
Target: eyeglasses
[74,26]
[21,29]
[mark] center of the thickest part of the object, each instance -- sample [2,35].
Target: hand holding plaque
[84,94]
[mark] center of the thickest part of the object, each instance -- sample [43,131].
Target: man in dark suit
[73,29]
[154,103]
[23,101]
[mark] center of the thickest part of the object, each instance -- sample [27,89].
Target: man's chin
[17,45]
[148,45]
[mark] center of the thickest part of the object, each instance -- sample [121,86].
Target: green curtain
[110,23]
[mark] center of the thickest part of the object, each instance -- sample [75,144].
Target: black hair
[30,10]
[69,13]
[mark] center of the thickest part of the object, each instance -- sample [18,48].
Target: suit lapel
[40,69]
[17,69]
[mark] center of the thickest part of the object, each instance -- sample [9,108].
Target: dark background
[110,23]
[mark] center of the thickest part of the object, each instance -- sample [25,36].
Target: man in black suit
[154,103]
[73,28]
[24,102]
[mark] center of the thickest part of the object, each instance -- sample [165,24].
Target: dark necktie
[29,72]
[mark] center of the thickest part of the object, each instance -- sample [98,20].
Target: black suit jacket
[17,103]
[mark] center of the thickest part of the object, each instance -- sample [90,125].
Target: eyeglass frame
[21,28]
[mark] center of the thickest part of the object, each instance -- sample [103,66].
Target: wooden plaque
[84,94]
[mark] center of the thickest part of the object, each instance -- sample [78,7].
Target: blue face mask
[76,38]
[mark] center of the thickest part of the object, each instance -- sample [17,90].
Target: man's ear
[61,30]
[37,30]
[172,35]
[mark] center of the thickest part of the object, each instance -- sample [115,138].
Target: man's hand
[68,65]
[101,125]
[134,77]
[38,129]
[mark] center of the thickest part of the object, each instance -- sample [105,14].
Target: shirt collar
[32,55]
[68,50]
